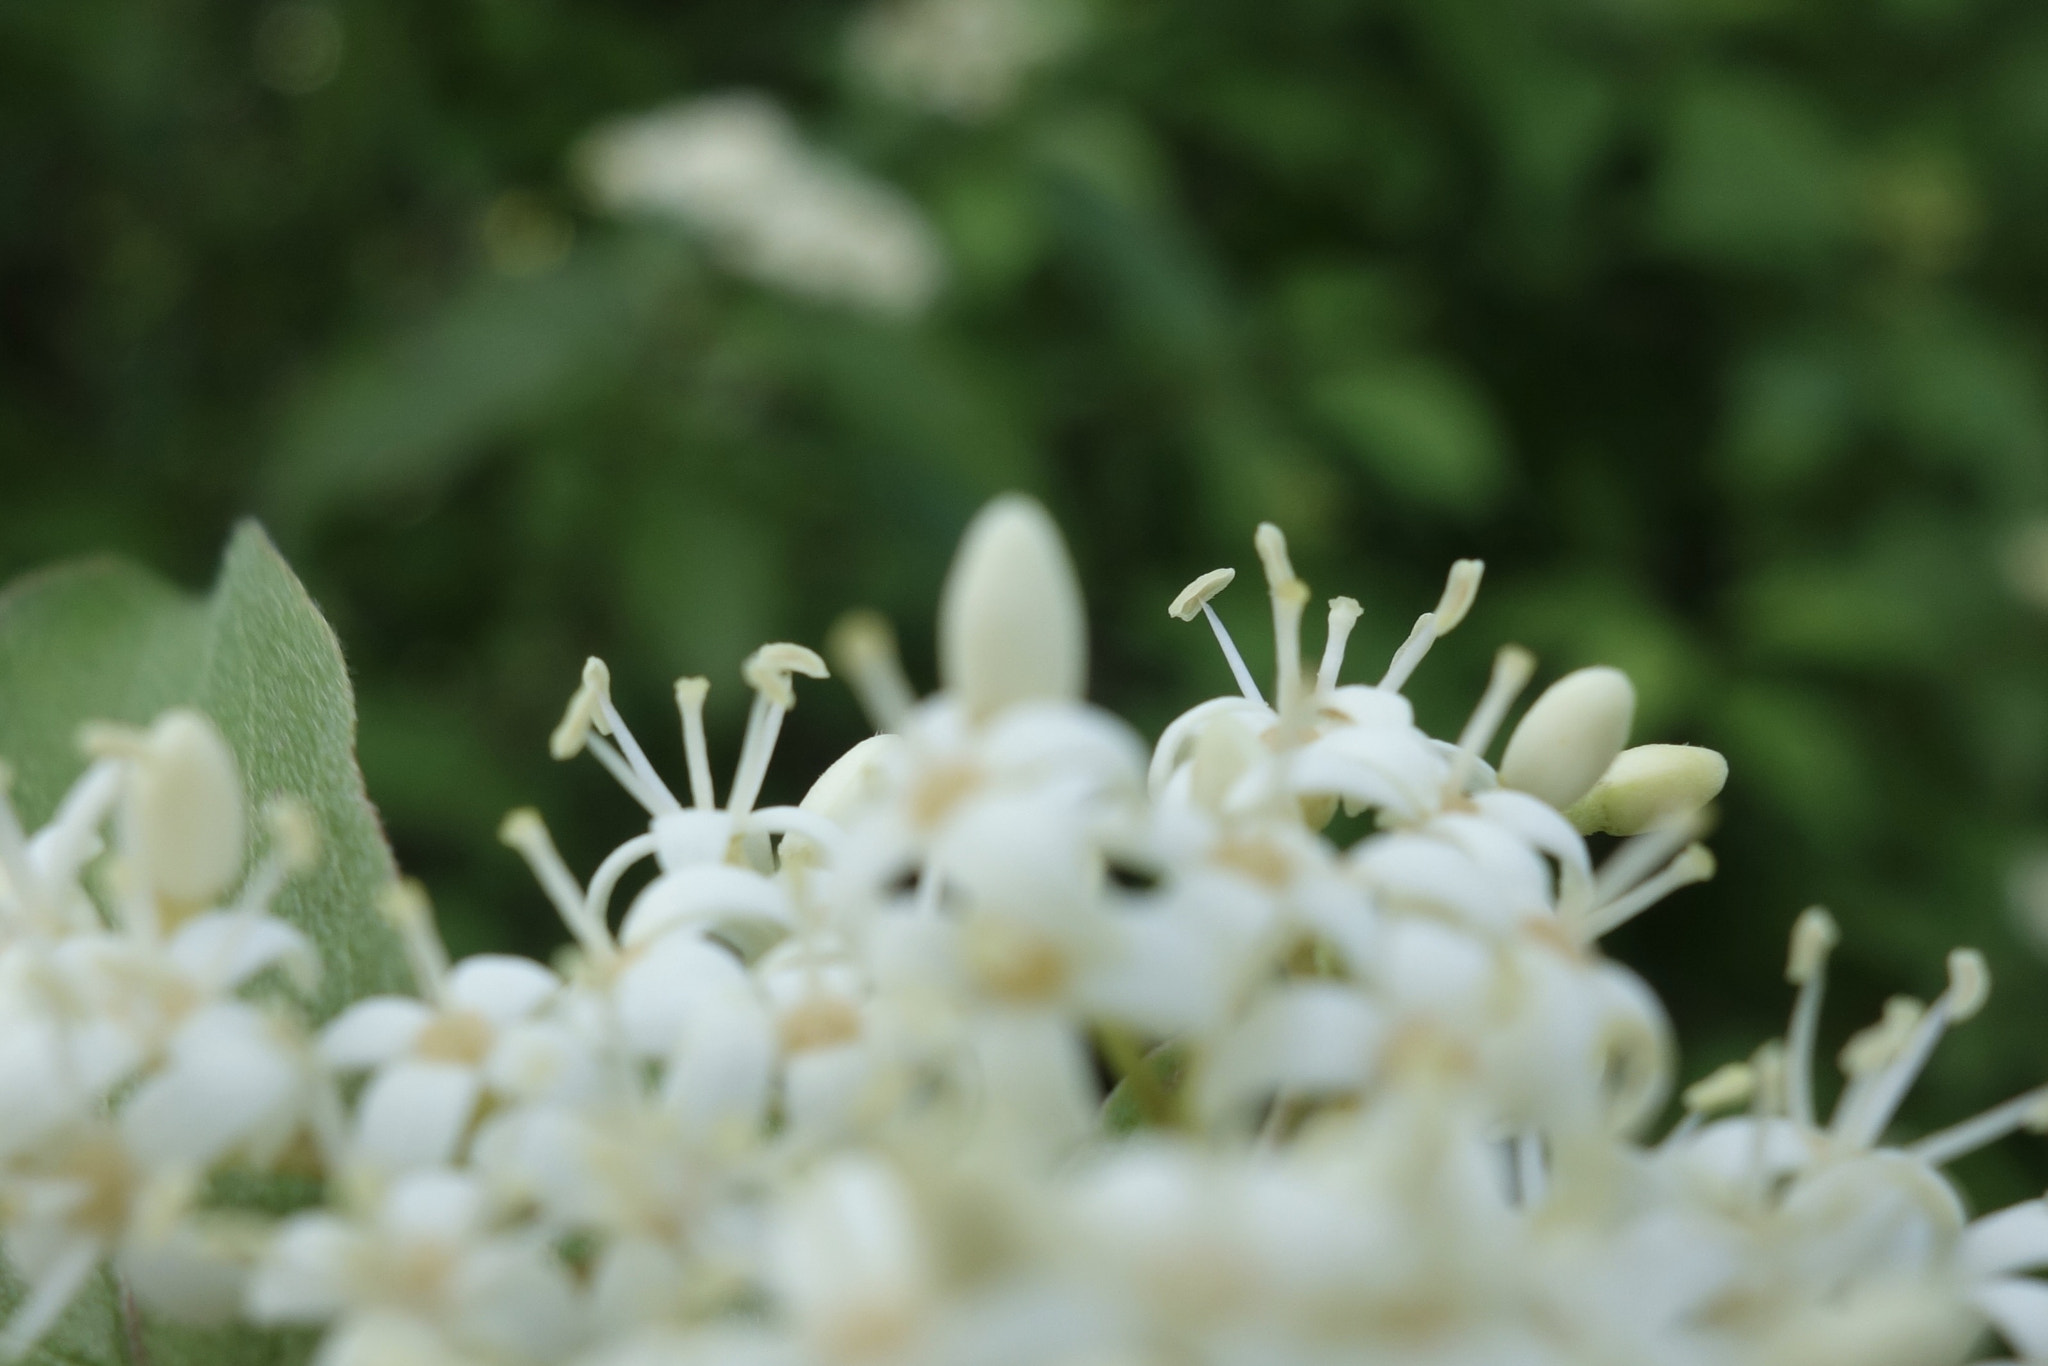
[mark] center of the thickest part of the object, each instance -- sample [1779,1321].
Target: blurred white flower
[966,59]
[735,170]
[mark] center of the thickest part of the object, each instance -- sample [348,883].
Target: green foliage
[1717,328]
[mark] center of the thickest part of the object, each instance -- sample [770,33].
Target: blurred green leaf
[1791,413]
[416,411]
[1421,427]
[1755,177]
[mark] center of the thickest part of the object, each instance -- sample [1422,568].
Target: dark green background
[1716,326]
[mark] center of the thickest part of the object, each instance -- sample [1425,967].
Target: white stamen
[583,714]
[768,672]
[1642,855]
[524,832]
[405,905]
[1420,637]
[594,931]
[1814,936]
[1512,667]
[50,1293]
[1344,615]
[2028,1110]
[1290,600]
[623,774]
[1461,586]
[1245,683]
[690,693]
[1695,864]
[1969,985]
[863,648]
[650,781]
[1868,1058]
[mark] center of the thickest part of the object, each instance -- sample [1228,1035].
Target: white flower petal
[373,1031]
[500,987]
[223,949]
[2018,1308]
[412,1114]
[2012,1239]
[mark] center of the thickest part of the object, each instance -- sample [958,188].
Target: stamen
[2028,1110]
[690,694]
[650,781]
[1869,1052]
[583,714]
[1420,637]
[768,671]
[405,905]
[1196,598]
[1643,854]
[294,848]
[1461,586]
[1969,985]
[1290,600]
[623,774]
[863,648]
[594,930]
[1695,864]
[1814,937]
[1512,668]
[1344,615]
[524,832]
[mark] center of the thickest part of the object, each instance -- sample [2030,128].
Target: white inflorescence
[1004,1045]
[734,168]
[965,59]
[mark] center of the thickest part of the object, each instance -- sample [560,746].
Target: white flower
[962,58]
[733,168]
[423,1264]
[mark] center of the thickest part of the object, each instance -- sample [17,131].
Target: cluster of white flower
[966,59]
[735,170]
[1004,1046]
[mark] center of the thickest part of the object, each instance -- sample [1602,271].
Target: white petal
[1011,624]
[512,1298]
[229,1076]
[223,949]
[704,897]
[433,1206]
[656,992]
[412,1114]
[2012,1239]
[373,1031]
[501,987]
[303,1277]
[1309,1039]
[1570,735]
[2018,1307]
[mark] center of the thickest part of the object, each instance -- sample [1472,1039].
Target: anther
[1344,615]
[1814,937]
[690,694]
[862,647]
[584,713]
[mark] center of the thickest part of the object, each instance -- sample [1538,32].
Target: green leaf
[103,640]
[1422,427]
[1754,177]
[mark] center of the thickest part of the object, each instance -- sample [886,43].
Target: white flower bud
[1570,735]
[184,808]
[1648,786]
[1011,624]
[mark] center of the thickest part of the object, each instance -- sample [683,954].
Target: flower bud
[1570,735]
[1011,624]
[1649,785]
[185,808]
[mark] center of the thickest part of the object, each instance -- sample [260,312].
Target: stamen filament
[1245,683]
[650,781]
[2028,1110]
[592,926]
[863,648]
[1420,637]
[1968,984]
[1512,668]
[1813,938]
[406,906]
[1695,864]
[1639,856]
[1290,600]
[764,724]
[1344,615]
[623,774]
[690,694]
[526,833]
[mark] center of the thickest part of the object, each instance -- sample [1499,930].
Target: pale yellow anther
[1876,1046]
[1461,586]
[1696,864]
[1192,599]
[1727,1087]
[294,836]
[1768,1065]
[768,670]
[1814,936]
[1969,984]
[584,713]
[691,692]
[2036,1121]
[522,828]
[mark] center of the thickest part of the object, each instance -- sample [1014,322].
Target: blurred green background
[1716,326]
